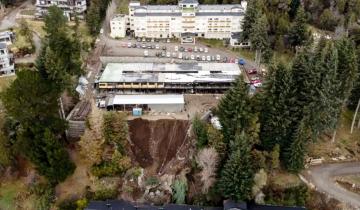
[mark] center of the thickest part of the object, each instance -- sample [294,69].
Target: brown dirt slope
[156,143]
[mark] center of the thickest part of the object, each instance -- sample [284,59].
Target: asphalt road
[322,177]
[10,19]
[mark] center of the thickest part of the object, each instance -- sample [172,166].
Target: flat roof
[148,99]
[170,73]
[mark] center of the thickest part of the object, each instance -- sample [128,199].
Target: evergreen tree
[294,5]
[259,38]
[298,33]
[296,149]
[275,116]
[235,111]
[252,13]
[237,176]
[200,130]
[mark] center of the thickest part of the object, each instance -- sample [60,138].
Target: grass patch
[285,180]
[9,192]
[123,6]
[354,179]
[5,81]
[30,12]
[213,43]
[37,26]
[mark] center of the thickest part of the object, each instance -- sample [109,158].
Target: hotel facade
[186,20]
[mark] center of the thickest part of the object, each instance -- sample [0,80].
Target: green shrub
[117,166]
[152,181]
[179,191]
[293,196]
[105,194]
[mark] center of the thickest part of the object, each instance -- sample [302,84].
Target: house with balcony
[70,7]
[6,61]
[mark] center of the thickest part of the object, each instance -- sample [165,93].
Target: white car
[101,31]
[203,58]
[146,53]
[180,56]
[176,48]
[192,57]
[174,55]
[218,57]
[259,84]
[208,58]
[201,49]
[157,46]
[168,54]
[129,45]
[168,40]
[195,49]
[152,40]
[206,50]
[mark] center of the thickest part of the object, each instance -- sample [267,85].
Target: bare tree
[207,159]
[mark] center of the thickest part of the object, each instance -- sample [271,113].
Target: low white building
[7,37]
[6,63]
[235,41]
[68,6]
[186,20]
[157,103]
[118,26]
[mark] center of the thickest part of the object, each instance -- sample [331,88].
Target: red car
[190,49]
[251,71]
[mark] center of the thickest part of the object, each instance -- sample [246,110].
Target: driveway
[10,19]
[322,177]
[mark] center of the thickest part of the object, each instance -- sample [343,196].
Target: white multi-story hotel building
[6,63]
[68,6]
[186,20]
[118,26]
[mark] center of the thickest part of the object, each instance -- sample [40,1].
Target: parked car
[180,56]
[143,39]
[236,61]
[206,50]
[192,57]
[149,46]
[168,54]
[257,84]
[176,48]
[195,49]
[225,59]
[174,55]
[255,78]
[157,40]
[208,58]
[138,46]
[251,71]
[203,58]
[201,49]
[133,45]
[101,31]
[129,45]
[187,57]
[163,48]
[168,40]
[218,58]
[163,54]
[138,39]
[143,46]
[146,53]
[213,58]
[152,46]
[190,49]
[241,61]
[123,45]
[152,40]
[182,49]
[198,58]
[157,47]
[185,50]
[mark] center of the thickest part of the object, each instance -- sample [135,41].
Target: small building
[235,41]
[118,26]
[6,61]
[7,37]
[157,103]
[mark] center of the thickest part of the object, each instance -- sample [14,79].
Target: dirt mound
[156,143]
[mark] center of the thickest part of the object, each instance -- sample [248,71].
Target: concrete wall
[166,107]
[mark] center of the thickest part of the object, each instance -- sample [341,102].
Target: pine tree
[235,111]
[200,130]
[237,176]
[252,12]
[294,152]
[298,33]
[294,5]
[259,38]
[275,116]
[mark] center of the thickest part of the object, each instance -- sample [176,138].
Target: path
[10,19]
[322,177]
